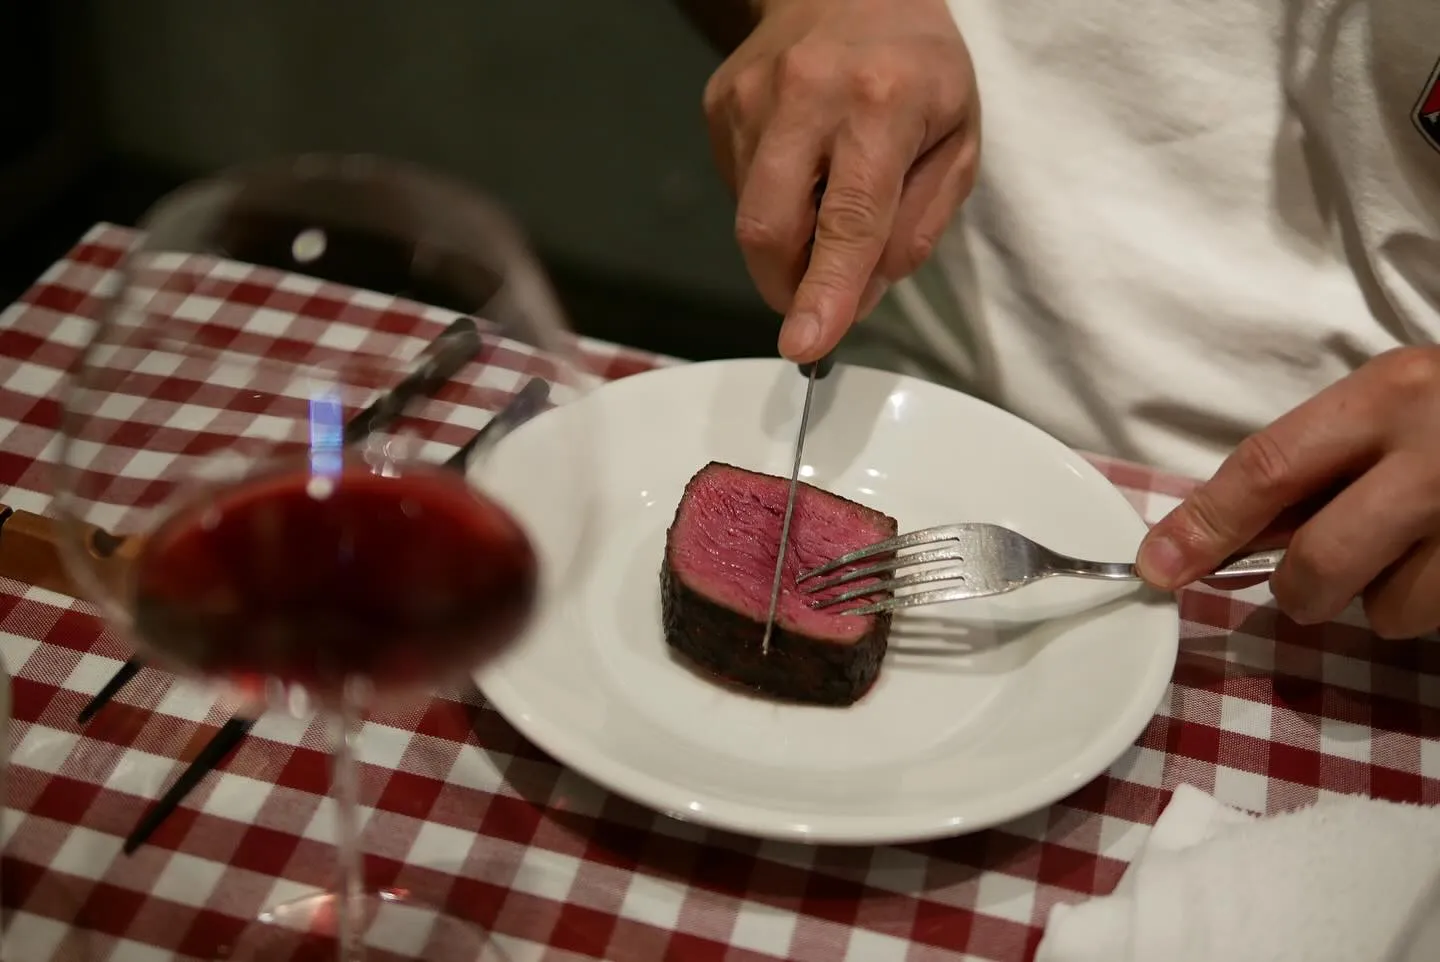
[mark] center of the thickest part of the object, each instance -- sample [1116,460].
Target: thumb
[1198,535]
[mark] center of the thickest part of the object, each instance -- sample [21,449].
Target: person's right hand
[874,99]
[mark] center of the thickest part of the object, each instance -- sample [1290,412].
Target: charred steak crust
[728,643]
[798,668]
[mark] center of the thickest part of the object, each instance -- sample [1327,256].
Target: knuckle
[715,94]
[1310,564]
[806,68]
[1203,519]
[1411,372]
[880,83]
[756,233]
[1263,463]
[876,87]
[903,258]
[848,212]
[919,250]
[1309,587]
[748,91]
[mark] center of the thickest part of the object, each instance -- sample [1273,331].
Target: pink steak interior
[727,532]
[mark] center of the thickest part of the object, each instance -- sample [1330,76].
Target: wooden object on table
[30,552]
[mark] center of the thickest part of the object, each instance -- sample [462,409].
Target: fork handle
[1248,565]
[1236,566]
[1104,570]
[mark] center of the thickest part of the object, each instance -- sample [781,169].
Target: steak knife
[455,347]
[812,372]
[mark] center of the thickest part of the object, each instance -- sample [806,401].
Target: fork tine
[912,540]
[908,581]
[958,593]
[951,553]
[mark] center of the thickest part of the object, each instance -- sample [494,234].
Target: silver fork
[986,559]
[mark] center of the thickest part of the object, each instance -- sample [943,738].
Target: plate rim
[661,796]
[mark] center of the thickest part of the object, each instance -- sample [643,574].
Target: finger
[737,103]
[775,218]
[1352,540]
[1275,535]
[934,188]
[1335,434]
[720,125]
[1405,601]
[870,299]
[867,172]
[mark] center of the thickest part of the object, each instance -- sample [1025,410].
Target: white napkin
[1345,880]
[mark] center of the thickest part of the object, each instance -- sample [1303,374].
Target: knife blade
[812,371]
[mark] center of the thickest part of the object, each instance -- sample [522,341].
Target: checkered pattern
[464,813]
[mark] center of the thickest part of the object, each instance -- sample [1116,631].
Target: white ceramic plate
[984,710]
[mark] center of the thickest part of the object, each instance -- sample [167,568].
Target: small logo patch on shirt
[1427,109]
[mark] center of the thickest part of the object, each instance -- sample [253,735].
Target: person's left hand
[1373,437]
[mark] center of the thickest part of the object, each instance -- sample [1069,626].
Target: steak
[717,574]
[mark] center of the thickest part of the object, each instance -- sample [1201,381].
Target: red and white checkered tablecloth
[464,813]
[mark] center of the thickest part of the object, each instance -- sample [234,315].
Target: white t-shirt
[1191,216]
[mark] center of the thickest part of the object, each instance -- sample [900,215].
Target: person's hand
[875,99]
[1372,441]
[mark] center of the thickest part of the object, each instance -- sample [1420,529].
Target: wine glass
[204,442]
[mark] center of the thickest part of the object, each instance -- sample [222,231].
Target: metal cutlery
[812,371]
[974,560]
[225,740]
[443,358]
[455,347]
[528,402]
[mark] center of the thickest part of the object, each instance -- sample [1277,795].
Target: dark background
[583,118]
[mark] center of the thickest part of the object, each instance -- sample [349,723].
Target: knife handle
[822,367]
[455,347]
[522,407]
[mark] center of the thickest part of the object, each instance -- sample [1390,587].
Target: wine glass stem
[345,788]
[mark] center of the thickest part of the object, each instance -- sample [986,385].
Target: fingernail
[799,335]
[1161,562]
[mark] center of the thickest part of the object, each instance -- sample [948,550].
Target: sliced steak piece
[716,577]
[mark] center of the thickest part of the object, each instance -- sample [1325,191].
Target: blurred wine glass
[203,427]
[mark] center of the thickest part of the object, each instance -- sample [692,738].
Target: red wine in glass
[314,579]
[348,581]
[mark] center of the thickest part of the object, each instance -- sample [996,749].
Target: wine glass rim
[334,167]
[464,208]
[469,210]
